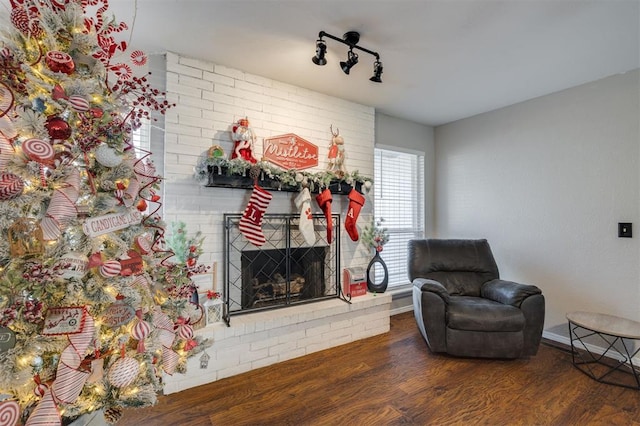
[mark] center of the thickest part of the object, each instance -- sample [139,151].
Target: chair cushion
[478,314]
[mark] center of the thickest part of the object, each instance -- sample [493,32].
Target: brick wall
[264,338]
[210,98]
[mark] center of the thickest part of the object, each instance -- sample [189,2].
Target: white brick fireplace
[210,98]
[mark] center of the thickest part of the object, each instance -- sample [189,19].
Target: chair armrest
[432,286]
[508,292]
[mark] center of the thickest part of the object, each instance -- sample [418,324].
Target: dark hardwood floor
[393,379]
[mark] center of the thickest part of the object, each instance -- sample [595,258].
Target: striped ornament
[62,208]
[40,390]
[185,331]
[123,372]
[6,151]
[110,268]
[11,186]
[78,103]
[38,150]
[9,413]
[141,330]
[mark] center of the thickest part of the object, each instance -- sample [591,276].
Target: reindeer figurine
[336,154]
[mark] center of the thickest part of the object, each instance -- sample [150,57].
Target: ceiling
[443,60]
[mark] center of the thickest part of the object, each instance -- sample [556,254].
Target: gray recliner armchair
[463,308]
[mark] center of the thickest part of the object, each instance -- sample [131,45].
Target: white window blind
[399,200]
[141,139]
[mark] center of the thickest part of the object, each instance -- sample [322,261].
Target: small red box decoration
[354,282]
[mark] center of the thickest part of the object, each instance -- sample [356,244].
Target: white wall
[210,98]
[546,182]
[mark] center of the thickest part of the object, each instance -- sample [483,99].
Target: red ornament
[58,93]
[142,205]
[96,112]
[60,62]
[58,128]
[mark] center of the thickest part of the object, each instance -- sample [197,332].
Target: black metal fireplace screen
[286,270]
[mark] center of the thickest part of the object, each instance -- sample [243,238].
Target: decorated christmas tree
[95,306]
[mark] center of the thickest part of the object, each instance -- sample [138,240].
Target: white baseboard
[591,348]
[401,310]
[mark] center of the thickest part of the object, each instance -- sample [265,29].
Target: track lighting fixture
[351,39]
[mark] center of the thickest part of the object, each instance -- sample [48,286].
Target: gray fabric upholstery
[463,308]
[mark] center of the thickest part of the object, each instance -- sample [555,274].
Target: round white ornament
[123,372]
[107,156]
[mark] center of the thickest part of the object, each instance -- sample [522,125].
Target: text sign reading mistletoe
[290,152]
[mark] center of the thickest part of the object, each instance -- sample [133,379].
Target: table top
[607,324]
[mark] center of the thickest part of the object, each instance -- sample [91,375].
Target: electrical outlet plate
[625,230]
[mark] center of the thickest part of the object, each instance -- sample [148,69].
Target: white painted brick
[218,78]
[178,88]
[198,83]
[282,348]
[264,362]
[183,70]
[229,72]
[234,371]
[292,354]
[196,63]
[196,102]
[252,356]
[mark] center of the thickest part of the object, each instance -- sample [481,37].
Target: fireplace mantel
[220,177]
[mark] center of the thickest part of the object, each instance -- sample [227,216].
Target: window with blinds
[399,200]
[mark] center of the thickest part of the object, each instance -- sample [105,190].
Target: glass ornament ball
[60,62]
[58,128]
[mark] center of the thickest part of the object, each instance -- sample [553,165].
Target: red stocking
[356,201]
[324,200]
[251,222]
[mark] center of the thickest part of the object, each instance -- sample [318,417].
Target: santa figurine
[243,138]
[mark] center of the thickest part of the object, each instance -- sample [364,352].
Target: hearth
[284,271]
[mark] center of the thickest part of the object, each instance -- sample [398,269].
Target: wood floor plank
[393,379]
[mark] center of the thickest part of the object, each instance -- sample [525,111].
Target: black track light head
[377,72]
[352,59]
[321,50]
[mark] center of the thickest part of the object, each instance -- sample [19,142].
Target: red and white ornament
[9,412]
[6,151]
[40,390]
[123,372]
[138,57]
[11,186]
[78,103]
[144,244]
[140,330]
[60,62]
[38,150]
[185,331]
[110,268]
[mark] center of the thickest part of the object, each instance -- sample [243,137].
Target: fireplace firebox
[285,271]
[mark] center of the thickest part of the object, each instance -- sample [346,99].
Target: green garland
[238,166]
